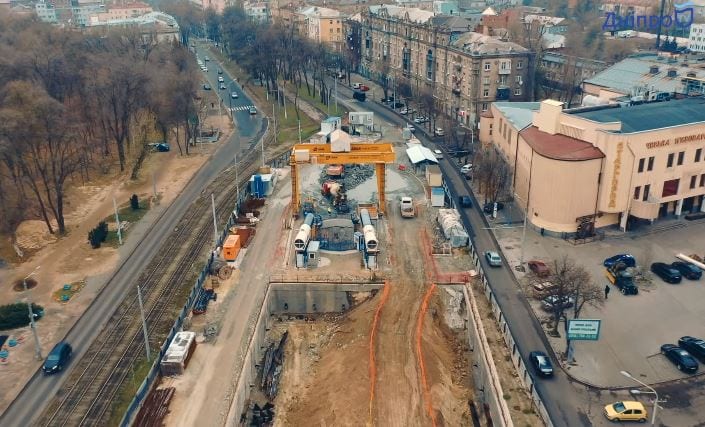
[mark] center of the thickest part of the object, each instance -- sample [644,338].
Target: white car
[410,128]
[221,79]
[466,168]
[356,85]
[438,132]
[234,95]
[204,69]
[438,154]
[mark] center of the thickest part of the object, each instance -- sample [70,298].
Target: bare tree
[491,172]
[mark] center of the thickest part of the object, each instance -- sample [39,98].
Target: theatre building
[586,168]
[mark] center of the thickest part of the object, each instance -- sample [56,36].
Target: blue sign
[682,17]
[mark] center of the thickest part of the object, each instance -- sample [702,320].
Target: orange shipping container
[231,247]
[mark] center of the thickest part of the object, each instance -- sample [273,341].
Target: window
[487,66]
[517,92]
[670,161]
[503,79]
[698,154]
[490,125]
[429,65]
[505,65]
[517,79]
[681,156]
[670,188]
[484,108]
[520,64]
[702,180]
[641,165]
[637,192]
[486,93]
[651,164]
[647,188]
[511,134]
[486,80]
[692,181]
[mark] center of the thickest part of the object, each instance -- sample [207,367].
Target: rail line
[87,399]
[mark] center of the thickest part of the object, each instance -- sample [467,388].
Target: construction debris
[449,220]
[273,361]
[155,408]
[202,300]
[352,175]
[221,269]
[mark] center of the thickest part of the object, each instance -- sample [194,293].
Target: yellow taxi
[626,411]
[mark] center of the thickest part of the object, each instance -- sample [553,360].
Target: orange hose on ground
[419,357]
[373,333]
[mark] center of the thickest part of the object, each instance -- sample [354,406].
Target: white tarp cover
[453,230]
[419,153]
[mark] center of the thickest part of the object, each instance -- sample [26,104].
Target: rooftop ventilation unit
[653,69]
[672,73]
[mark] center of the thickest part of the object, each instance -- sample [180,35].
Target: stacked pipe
[304,233]
[368,230]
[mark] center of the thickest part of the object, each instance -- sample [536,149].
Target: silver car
[493,259]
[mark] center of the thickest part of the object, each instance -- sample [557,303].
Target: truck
[622,277]
[407,207]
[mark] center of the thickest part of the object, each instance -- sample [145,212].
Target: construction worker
[330,211]
[607,291]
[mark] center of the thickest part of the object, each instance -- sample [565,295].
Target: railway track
[88,395]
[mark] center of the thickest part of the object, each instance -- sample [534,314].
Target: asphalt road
[566,402]
[38,392]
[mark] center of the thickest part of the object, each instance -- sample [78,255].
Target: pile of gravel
[354,175]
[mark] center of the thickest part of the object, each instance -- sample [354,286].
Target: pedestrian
[330,211]
[607,291]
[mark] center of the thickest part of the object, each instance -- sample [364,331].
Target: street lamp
[652,391]
[33,326]
[523,232]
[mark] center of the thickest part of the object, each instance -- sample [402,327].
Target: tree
[491,172]
[571,282]
[134,202]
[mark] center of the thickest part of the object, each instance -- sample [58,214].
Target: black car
[220,71]
[694,346]
[688,270]
[465,201]
[206,87]
[542,363]
[489,207]
[681,358]
[667,273]
[58,358]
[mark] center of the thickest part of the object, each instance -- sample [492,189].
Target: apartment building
[323,25]
[696,41]
[258,12]
[465,71]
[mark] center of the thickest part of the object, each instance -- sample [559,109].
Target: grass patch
[128,389]
[129,215]
[316,102]
[67,291]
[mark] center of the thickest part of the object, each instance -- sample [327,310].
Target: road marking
[241,108]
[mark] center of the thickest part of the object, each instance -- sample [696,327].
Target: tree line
[75,105]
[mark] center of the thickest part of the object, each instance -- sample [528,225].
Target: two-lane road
[567,402]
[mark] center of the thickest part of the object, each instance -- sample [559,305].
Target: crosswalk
[241,108]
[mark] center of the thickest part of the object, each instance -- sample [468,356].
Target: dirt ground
[71,258]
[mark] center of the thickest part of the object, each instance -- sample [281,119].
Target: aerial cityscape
[348,213]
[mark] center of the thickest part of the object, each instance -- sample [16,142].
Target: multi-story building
[258,12]
[584,168]
[216,5]
[154,27]
[562,75]
[84,10]
[630,7]
[696,41]
[323,25]
[120,11]
[46,12]
[465,71]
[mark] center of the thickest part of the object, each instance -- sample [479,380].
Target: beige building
[323,25]
[594,167]
[121,11]
[465,71]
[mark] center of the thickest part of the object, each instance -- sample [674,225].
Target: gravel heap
[354,175]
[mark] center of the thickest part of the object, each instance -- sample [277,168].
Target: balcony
[504,71]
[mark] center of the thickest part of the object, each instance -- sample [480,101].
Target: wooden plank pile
[155,408]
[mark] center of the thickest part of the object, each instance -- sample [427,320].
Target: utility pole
[299,130]
[215,223]
[32,324]
[117,221]
[284,99]
[274,119]
[237,188]
[144,324]
[336,94]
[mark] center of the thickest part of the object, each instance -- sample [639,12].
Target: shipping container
[231,247]
[178,353]
[437,197]
[434,177]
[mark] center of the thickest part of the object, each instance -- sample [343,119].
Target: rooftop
[320,12]
[559,147]
[453,23]
[519,114]
[406,13]
[634,72]
[477,43]
[656,115]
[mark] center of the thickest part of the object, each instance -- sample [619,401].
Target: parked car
[543,288]
[687,270]
[386,100]
[438,154]
[465,202]
[234,95]
[680,357]
[206,87]
[204,69]
[58,358]
[364,88]
[356,85]
[206,59]
[666,272]
[493,259]
[466,168]
[253,110]
[627,410]
[542,363]
[162,147]
[222,86]
[404,111]
[694,346]
[539,268]
[395,105]
[489,207]
[420,120]
[220,71]
[552,301]
[220,79]
[439,132]
[627,259]
[411,128]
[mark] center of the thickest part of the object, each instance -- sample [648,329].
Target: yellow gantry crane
[378,154]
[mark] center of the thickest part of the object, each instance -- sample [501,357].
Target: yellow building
[592,167]
[323,25]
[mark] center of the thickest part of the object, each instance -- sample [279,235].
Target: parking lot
[633,327]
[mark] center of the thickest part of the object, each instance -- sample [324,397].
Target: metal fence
[148,382]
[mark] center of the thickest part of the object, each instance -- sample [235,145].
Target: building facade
[696,41]
[582,169]
[323,25]
[46,12]
[562,75]
[465,71]
[258,12]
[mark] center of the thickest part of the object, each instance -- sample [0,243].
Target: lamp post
[230,98]
[523,232]
[33,325]
[651,391]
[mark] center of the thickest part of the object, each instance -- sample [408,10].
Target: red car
[539,268]
[364,88]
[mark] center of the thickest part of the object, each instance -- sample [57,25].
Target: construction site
[357,309]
